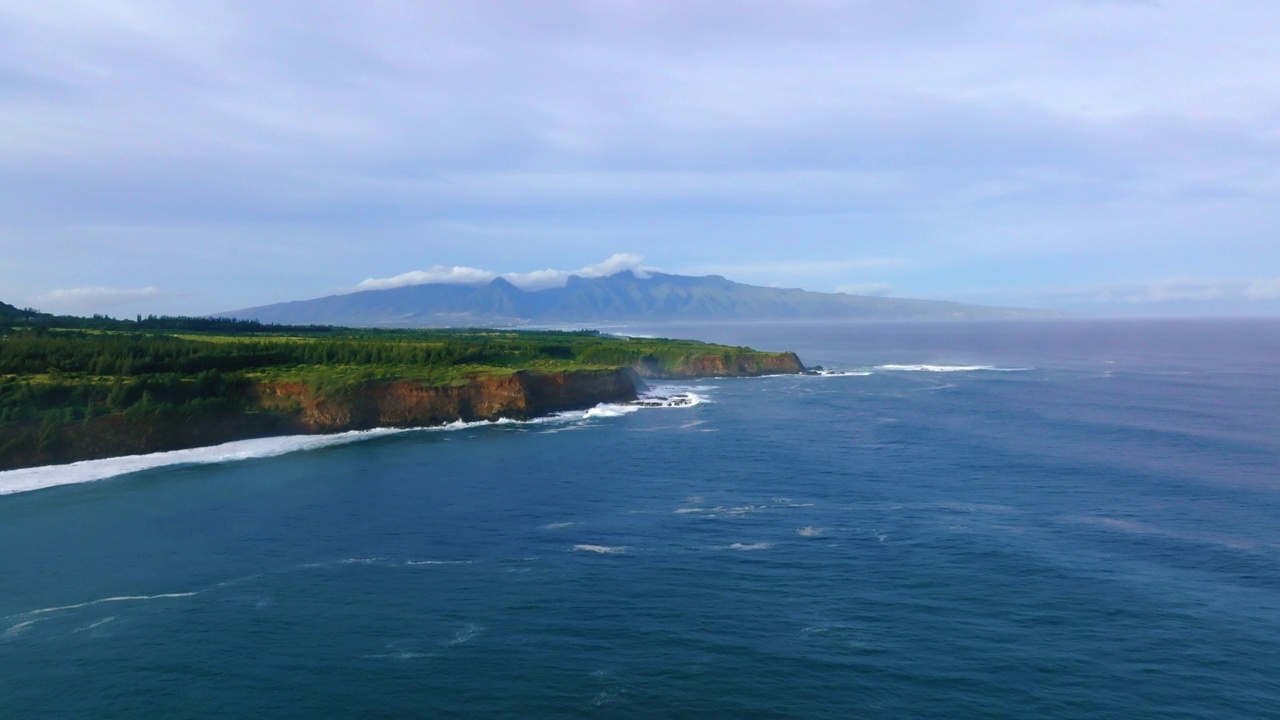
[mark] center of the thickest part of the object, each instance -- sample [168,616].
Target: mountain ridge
[623,296]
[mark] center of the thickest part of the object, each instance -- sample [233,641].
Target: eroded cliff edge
[287,408]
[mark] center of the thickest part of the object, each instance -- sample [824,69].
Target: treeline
[53,377]
[169,323]
[108,354]
[68,401]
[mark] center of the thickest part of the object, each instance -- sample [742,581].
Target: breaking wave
[47,476]
[828,372]
[28,619]
[600,549]
[16,481]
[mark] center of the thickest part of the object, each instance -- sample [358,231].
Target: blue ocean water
[1051,520]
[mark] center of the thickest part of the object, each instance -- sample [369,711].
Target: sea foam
[46,476]
[16,481]
[600,549]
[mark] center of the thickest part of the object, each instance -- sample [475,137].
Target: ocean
[975,520]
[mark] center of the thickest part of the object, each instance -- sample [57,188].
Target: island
[87,388]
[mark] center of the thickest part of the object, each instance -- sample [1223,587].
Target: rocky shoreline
[275,409]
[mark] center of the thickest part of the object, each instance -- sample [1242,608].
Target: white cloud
[458,275]
[1263,290]
[95,298]
[875,289]
[1154,292]
[1173,290]
[535,280]
[825,266]
[977,141]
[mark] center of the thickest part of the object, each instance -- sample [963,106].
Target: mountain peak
[622,296]
[501,283]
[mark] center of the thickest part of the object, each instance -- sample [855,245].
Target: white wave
[826,372]
[437,562]
[398,651]
[946,368]
[609,410]
[668,400]
[118,598]
[466,634]
[685,511]
[654,397]
[601,549]
[31,617]
[37,478]
[810,531]
[397,655]
[753,546]
[556,525]
[19,628]
[93,625]
[565,428]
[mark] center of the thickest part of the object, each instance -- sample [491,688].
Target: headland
[81,393]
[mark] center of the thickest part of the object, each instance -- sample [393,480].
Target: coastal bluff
[268,408]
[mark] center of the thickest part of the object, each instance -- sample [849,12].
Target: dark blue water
[1088,528]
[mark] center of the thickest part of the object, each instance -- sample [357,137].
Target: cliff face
[744,364]
[521,395]
[292,408]
[123,434]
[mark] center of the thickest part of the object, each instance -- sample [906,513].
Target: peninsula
[86,388]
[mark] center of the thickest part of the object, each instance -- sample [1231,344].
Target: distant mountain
[620,297]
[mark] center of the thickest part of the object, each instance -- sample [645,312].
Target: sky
[1100,157]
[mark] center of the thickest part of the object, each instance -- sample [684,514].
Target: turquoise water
[1054,520]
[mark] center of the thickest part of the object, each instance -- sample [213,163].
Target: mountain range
[623,296]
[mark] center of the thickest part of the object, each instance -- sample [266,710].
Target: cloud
[535,280]
[1171,290]
[872,289]
[96,298]
[775,137]
[457,275]
[1263,290]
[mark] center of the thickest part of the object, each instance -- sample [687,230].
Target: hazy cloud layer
[79,300]
[536,280]
[256,152]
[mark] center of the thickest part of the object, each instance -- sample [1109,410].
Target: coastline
[77,472]
[281,409]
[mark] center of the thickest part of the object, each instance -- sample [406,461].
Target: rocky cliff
[727,364]
[294,408]
[406,403]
